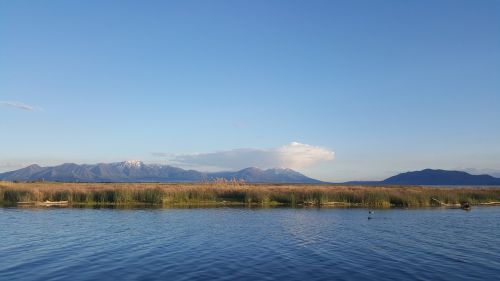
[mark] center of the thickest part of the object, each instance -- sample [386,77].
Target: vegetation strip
[237,193]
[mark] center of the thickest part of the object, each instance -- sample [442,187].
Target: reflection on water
[249,244]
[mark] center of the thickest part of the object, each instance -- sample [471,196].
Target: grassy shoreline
[240,194]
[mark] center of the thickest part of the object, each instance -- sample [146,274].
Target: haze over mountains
[137,171]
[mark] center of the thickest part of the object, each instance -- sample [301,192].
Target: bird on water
[370,213]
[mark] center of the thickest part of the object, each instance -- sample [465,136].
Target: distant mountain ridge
[434,177]
[137,171]
[441,177]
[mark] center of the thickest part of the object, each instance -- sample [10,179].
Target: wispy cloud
[19,105]
[294,155]
[161,154]
[479,171]
[10,166]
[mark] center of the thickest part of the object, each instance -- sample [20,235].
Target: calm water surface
[249,244]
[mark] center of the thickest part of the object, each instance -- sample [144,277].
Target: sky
[338,90]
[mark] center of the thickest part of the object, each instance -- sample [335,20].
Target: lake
[249,244]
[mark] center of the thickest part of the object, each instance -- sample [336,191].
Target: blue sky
[339,90]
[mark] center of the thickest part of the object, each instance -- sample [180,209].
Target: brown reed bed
[237,193]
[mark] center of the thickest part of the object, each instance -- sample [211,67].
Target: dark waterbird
[465,206]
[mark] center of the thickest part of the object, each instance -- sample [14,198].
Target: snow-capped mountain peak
[137,171]
[133,163]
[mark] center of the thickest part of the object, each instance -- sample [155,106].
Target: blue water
[249,244]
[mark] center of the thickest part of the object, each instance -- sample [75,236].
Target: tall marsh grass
[226,193]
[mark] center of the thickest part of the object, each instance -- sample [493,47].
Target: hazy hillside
[441,177]
[137,171]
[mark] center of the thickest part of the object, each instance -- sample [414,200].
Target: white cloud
[299,155]
[294,155]
[19,105]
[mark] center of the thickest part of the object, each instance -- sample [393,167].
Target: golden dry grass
[170,194]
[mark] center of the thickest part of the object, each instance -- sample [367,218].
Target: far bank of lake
[239,194]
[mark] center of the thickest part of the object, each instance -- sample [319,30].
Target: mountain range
[434,177]
[441,177]
[137,171]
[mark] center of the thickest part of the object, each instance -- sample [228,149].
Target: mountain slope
[266,176]
[136,171]
[23,173]
[441,177]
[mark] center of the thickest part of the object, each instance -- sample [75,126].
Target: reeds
[237,193]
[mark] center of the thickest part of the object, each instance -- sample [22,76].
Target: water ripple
[249,244]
